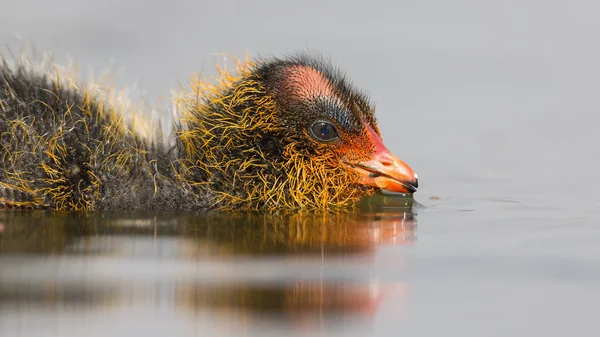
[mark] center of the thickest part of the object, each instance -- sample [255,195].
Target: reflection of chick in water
[304,236]
[306,302]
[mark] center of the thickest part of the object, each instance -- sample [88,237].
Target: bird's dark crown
[308,88]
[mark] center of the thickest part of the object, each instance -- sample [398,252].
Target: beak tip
[412,186]
[386,171]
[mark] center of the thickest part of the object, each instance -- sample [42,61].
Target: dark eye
[324,131]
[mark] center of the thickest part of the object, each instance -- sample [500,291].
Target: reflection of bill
[387,228]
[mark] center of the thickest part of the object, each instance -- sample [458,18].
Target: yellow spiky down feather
[60,139]
[219,119]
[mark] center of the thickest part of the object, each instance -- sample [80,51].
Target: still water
[204,273]
[362,272]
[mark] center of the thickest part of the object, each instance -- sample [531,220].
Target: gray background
[494,103]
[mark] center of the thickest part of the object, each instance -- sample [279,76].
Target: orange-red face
[382,169]
[338,118]
[365,154]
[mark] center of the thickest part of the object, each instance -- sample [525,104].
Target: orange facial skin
[384,170]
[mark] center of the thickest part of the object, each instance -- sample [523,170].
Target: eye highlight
[323,131]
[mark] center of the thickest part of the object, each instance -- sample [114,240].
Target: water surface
[223,273]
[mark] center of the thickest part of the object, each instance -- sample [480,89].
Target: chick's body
[241,143]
